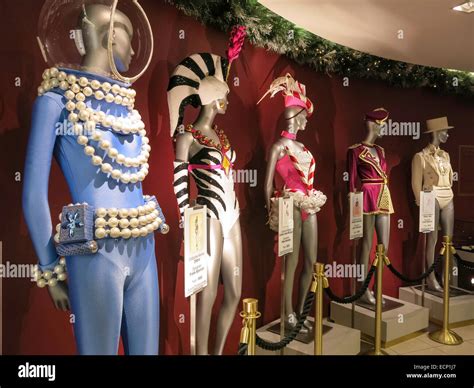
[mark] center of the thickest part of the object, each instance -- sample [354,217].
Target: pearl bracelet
[51,278]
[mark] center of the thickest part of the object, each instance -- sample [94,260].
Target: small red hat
[378,115]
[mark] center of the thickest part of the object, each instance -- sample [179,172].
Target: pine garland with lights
[272,32]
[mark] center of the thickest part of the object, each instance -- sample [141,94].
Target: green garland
[269,30]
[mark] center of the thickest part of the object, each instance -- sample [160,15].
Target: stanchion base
[372,352]
[446,337]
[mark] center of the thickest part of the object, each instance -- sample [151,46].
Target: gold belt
[374,181]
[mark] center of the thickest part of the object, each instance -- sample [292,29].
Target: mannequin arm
[450,172]
[181,173]
[352,169]
[275,152]
[417,177]
[46,113]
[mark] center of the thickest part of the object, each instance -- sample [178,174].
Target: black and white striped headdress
[198,80]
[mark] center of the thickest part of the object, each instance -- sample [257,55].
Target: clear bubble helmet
[108,37]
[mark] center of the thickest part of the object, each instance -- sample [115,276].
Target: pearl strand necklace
[75,91]
[53,78]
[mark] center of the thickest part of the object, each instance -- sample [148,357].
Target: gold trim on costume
[374,181]
[385,200]
[377,212]
[377,166]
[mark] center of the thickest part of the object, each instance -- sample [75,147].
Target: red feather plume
[236,42]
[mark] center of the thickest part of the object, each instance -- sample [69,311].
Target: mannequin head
[213,94]
[209,111]
[221,105]
[94,23]
[199,81]
[439,137]
[374,123]
[296,118]
[218,106]
[374,130]
[438,128]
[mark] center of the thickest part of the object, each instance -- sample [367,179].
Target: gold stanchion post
[444,335]
[353,280]
[380,260]
[319,283]
[282,302]
[423,282]
[250,315]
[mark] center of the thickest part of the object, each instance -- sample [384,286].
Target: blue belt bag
[76,235]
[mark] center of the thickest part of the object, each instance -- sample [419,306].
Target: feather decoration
[236,42]
[284,84]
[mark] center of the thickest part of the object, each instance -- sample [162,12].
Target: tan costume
[431,170]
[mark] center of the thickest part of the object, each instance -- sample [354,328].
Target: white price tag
[356,219]
[427,211]
[195,250]
[285,226]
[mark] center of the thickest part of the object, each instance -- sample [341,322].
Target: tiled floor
[423,345]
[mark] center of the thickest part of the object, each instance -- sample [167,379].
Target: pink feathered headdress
[293,92]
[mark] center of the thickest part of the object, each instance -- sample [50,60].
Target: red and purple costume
[372,174]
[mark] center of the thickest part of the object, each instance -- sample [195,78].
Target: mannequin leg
[292,262]
[231,270]
[369,224]
[382,228]
[206,298]
[310,246]
[96,285]
[140,321]
[431,240]
[114,292]
[447,219]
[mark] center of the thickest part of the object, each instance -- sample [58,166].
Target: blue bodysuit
[115,291]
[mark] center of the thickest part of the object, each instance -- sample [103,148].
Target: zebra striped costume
[199,80]
[211,168]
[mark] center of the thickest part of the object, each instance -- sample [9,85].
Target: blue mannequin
[113,292]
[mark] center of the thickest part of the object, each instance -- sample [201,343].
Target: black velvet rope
[419,278]
[357,295]
[290,337]
[293,333]
[243,347]
[273,346]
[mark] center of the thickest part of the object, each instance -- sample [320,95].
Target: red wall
[32,326]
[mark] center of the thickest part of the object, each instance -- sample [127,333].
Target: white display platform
[461,308]
[339,340]
[398,324]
